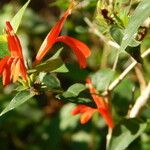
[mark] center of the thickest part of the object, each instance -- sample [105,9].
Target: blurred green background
[46,123]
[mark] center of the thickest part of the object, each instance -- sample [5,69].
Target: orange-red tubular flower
[102,107]
[11,67]
[79,48]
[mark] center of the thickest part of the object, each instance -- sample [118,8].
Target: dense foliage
[74,75]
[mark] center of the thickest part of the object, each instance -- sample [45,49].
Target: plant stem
[108,138]
[100,35]
[140,102]
[126,71]
[116,60]
[139,74]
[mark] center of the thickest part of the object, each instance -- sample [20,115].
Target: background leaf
[125,133]
[101,79]
[3,50]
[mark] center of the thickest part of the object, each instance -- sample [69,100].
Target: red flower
[102,107]
[12,66]
[79,48]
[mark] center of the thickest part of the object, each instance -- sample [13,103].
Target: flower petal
[14,45]
[16,70]
[102,105]
[97,99]
[79,48]
[23,71]
[85,111]
[7,72]
[107,117]
[79,109]
[52,35]
[3,62]
[86,116]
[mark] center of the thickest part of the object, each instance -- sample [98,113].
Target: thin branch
[116,60]
[104,39]
[139,74]
[140,102]
[108,138]
[126,71]
[100,35]
[104,58]
[82,4]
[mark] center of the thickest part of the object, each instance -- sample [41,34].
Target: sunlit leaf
[125,133]
[15,22]
[133,49]
[19,99]
[74,90]
[101,79]
[141,13]
[4,50]
[61,69]
[54,64]
[49,65]
[3,38]
[3,46]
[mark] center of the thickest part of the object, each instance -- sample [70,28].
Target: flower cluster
[79,48]
[102,107]
[13,66]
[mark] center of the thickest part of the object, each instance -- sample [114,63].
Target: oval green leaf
[19,99]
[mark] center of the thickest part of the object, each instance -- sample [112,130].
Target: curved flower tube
[79,48]
[12,66]
[102,107]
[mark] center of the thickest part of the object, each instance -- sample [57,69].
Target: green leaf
[57,54]
[3,38]
[3,46]
[77,100]
[19,99]
[74,90]
[15,22]
[51,81]
[125,133]
[21,88]
[116,34]
[61,69]
[68,121]
[73,95]
[134,47]
[4,50]
[141,13]
[54,64]
[102,78]
[49,65]
[120,99]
